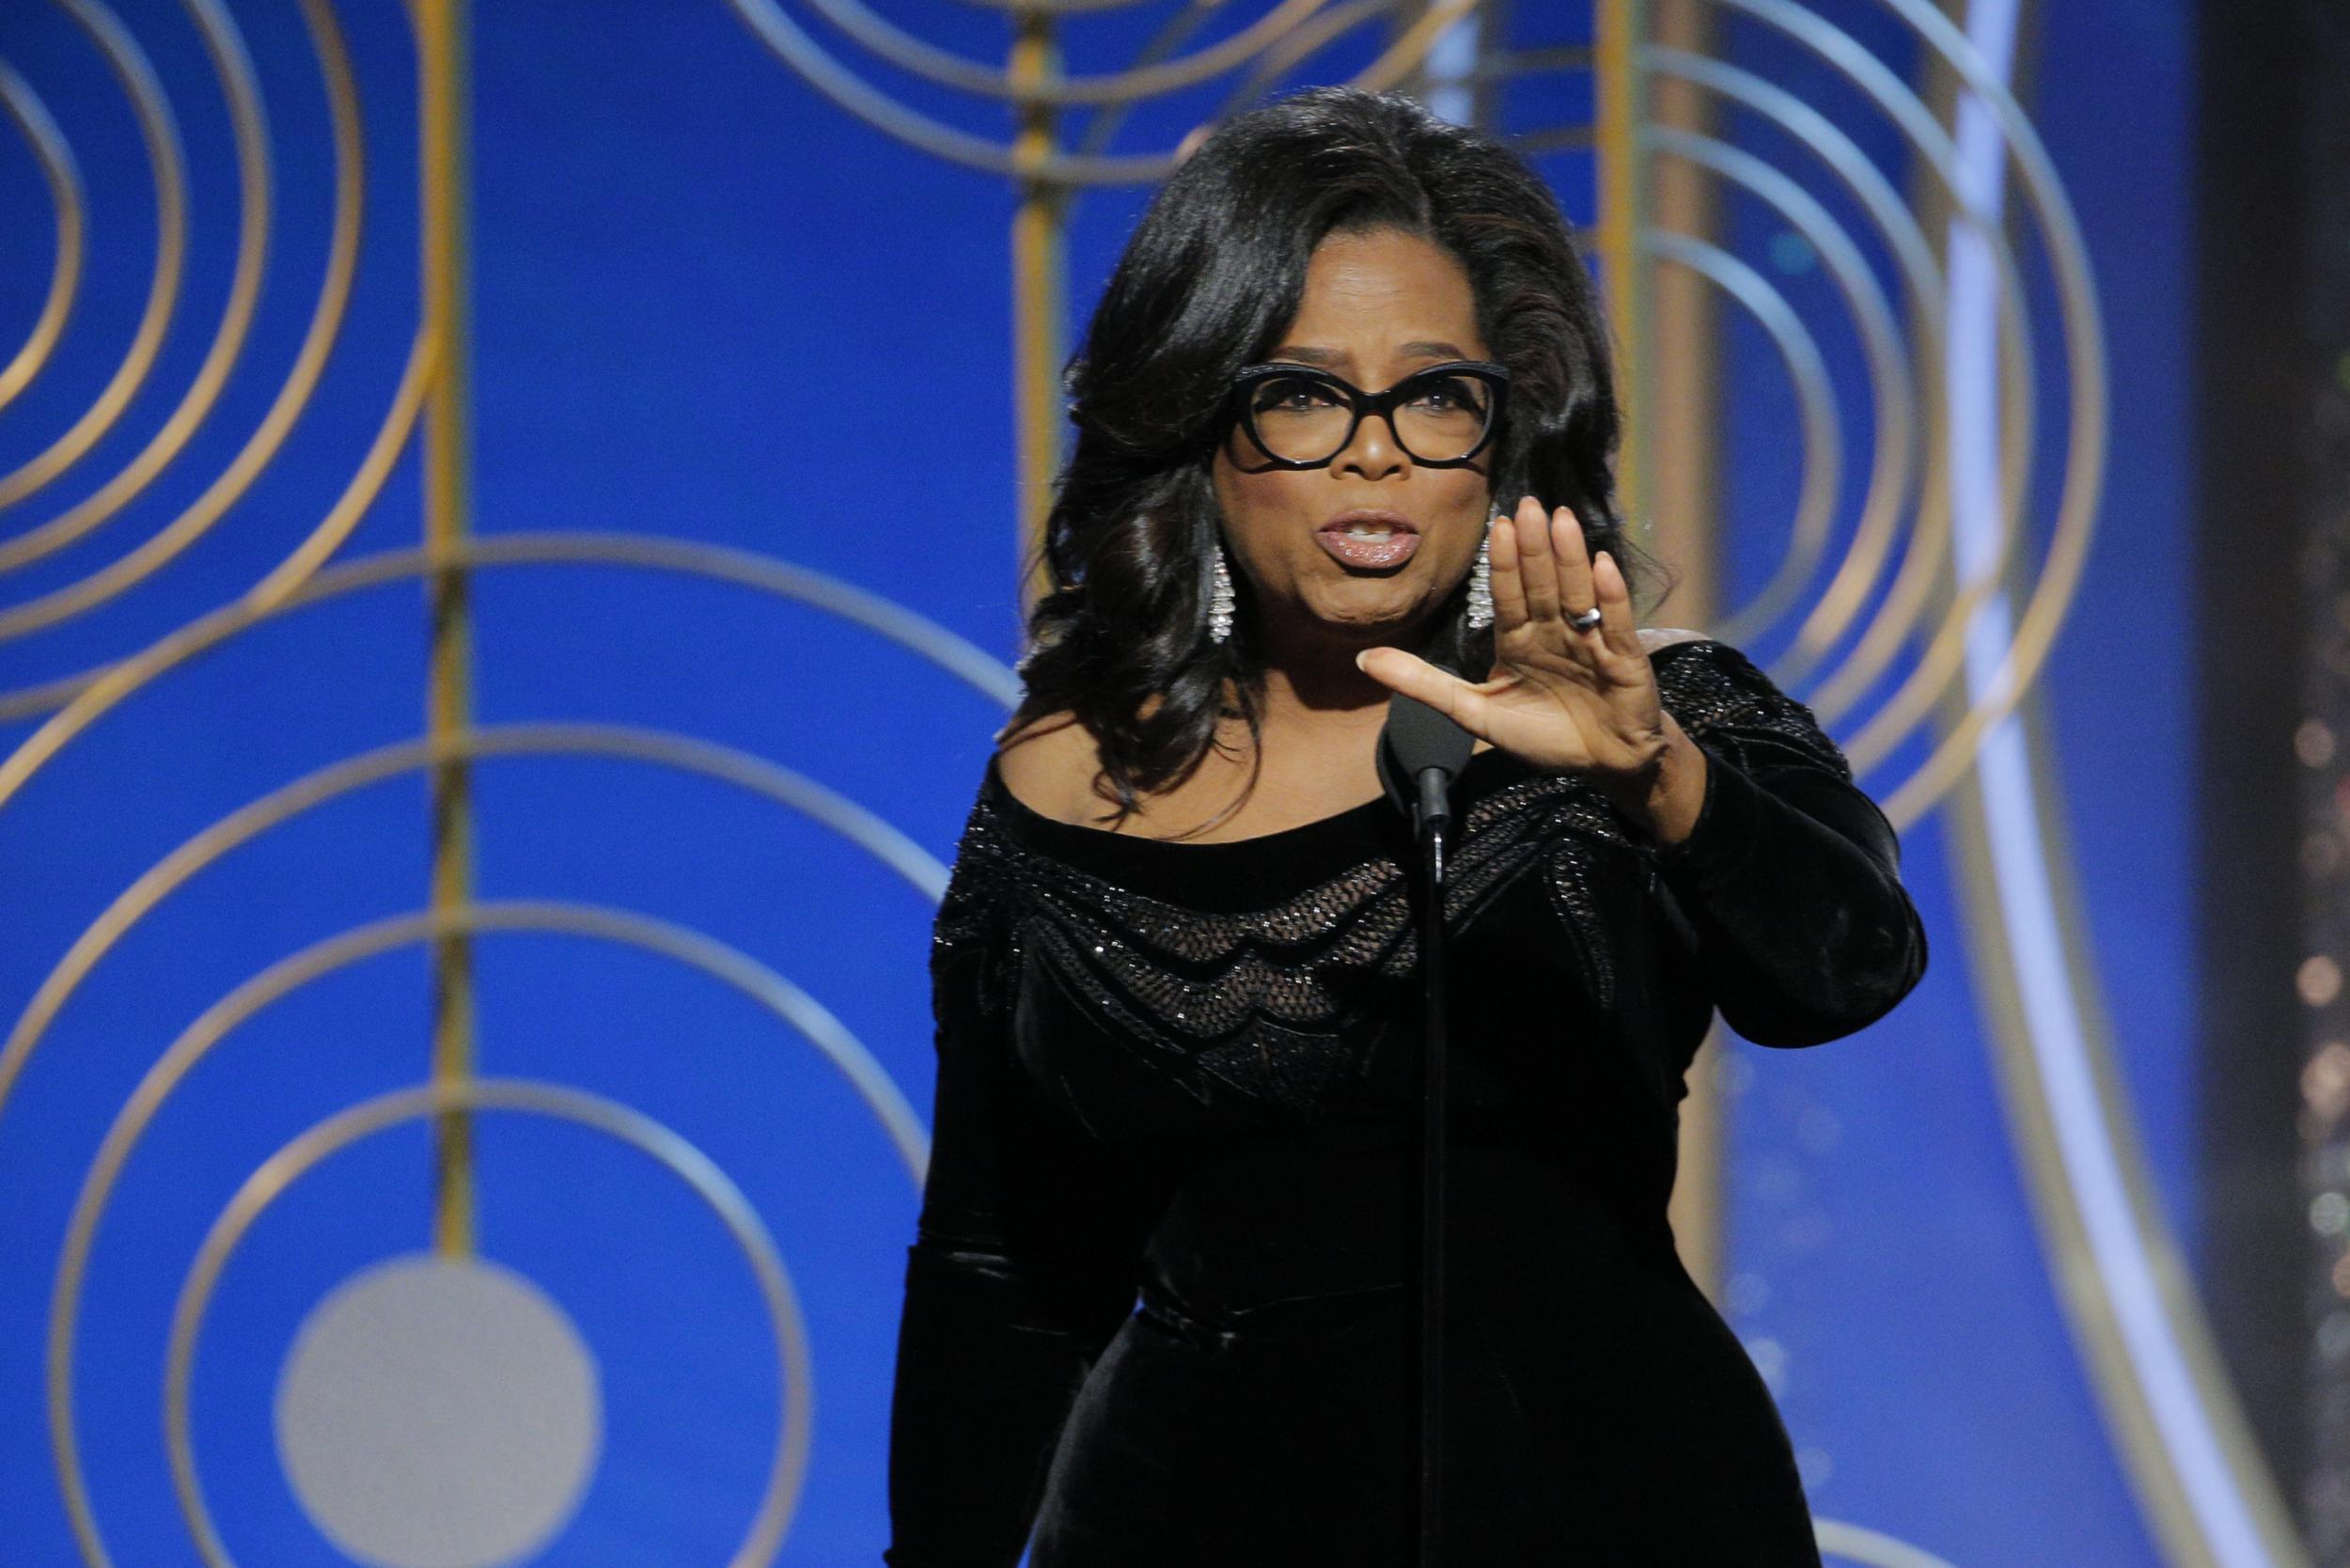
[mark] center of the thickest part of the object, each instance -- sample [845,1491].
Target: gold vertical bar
[445,178]
[1661,391]
[1622,212]
[1678,410]
[1039,268]
[1681,324]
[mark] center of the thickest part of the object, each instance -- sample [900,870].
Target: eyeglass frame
[1361,404]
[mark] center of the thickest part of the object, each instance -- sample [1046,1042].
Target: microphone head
[1417,737]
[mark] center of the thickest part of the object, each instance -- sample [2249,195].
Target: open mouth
[1369,539]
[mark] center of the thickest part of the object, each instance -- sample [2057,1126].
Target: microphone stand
[1420,752]
[1431,816]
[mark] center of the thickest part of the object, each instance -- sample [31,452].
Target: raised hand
[1559,699]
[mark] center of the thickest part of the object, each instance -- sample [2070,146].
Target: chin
[1361,619]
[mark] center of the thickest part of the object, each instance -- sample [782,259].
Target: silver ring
[1585,621]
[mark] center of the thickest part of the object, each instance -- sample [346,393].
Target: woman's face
[1377,306]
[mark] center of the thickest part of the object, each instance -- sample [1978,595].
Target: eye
[1451,395]
[1292,395]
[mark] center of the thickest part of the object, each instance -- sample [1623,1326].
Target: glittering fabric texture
[1191,1073]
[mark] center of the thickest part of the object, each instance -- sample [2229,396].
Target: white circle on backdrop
[438,1413]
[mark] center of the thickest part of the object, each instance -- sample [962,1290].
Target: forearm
[1790,883]
[985,1377]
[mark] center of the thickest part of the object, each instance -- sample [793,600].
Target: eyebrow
[1332,356]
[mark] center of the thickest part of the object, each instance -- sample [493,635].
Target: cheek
[1261,510]
[1475,505]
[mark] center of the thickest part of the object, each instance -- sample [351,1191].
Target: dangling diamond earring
[1480,588]
[1220,598]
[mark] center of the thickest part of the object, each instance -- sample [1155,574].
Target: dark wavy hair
[1210,278]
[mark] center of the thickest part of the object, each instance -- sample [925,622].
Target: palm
[1559,699]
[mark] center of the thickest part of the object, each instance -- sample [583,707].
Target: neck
[1311,678]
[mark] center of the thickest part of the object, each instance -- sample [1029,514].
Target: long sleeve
[1790,879]
[1021,1268]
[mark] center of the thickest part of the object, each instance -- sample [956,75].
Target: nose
[1372,451]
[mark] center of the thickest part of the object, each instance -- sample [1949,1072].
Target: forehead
[1368,295]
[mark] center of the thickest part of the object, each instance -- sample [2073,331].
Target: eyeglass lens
[1304,418]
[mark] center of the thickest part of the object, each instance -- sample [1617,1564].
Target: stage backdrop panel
[628,834]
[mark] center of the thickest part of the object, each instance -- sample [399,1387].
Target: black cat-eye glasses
[1302,417]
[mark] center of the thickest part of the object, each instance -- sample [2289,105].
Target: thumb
[1415,677]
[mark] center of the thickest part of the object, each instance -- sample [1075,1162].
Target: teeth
[1363,530]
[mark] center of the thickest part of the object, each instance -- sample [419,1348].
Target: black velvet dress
[1190,1072]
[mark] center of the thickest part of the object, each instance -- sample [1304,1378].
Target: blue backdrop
[709,304]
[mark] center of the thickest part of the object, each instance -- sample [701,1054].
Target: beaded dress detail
[1192,1071]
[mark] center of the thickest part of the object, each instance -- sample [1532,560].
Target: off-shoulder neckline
[1033,820]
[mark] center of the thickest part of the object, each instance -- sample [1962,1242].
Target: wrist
[1665,796]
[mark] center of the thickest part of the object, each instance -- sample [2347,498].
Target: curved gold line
[925,60]
[160,131]
[1821,490]
[2051,597]
[1307,38]
[293,397]
[1864,558]
[1897,398]
[800,52]
[1927,552]
[1928,555]
[2074,1269]
[203,394]
[119,680]
[234,68]
[1103,125]
[366,483]
[1402,55]
[65,190]
[795,1370]
[250,821]
[1906,604]
[2187,1520]
[281,978]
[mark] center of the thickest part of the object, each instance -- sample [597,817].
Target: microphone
[1421,753]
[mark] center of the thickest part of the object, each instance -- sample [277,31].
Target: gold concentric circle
[791,44]
[103,690]
[872,1083]
[241,826]
[1904,388]
[794,1366]
[159,134]
[50,149]
[293,395]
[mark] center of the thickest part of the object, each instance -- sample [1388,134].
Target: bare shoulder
[1655,637]
[1049,764]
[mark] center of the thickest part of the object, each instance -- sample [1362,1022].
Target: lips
[1369,539]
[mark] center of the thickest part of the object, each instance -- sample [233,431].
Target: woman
[1174,974]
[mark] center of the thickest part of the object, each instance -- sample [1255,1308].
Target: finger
[1507,577]
[1537,572]
[1575,594]
[1415,677]
[1616,625]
